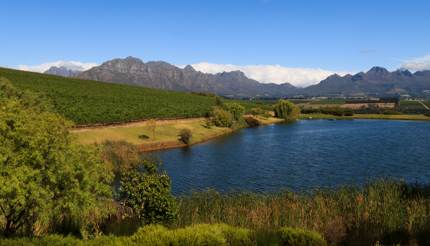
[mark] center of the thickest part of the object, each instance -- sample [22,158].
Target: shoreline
[168,129]
[166,136]
[412,117]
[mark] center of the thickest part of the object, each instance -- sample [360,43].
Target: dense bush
[221,117]
[185,136]
[235,109]
[286,110]
[289,236]
[257,111]
[252,121]
[147,191]
[46,181]
[120,156]
[214,234]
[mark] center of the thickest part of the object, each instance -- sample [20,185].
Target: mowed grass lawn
[165,131]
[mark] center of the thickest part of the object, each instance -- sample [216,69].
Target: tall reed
[383,211]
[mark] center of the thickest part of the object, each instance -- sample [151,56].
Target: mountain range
[62,71]
[377,81]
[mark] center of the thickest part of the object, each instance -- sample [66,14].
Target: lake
[304,155]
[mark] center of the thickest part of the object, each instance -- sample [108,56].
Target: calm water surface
[304,155]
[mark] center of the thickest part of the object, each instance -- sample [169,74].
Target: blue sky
[333,35]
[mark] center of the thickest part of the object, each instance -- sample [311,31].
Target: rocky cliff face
[163,75]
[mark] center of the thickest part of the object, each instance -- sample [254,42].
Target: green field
[412,107]
[88,102]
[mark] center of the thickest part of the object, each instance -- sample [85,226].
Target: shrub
[289,236]
[120,156]
[252,121]
[203,234]
[221,117]
[143,136]
[148,193]
[235,109]
[185,136]
[286,110]
[257,111]
[51,240]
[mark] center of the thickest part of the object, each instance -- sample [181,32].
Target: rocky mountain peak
[189,68]
[377,81]
[133,59]
[378,70]
[403,72]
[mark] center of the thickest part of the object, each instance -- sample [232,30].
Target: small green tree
[44,176]
[221,117]
[235,109]
[286,110]
[148,193]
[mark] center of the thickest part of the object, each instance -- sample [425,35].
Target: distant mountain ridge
[377,81]
[62,71]
[162,75]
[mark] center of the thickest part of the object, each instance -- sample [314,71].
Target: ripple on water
[304,155]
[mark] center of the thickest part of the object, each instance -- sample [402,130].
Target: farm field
[413,107]
[89,102]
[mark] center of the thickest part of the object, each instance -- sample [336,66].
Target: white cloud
[73,65]
[417,64]
[271,73]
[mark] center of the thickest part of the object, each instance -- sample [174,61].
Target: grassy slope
[87,102]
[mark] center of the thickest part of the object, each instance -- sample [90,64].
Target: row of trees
[231,114]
